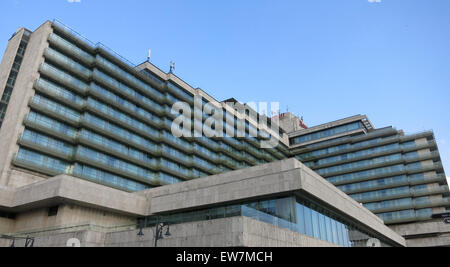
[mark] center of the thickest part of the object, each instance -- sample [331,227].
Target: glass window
[323,227]
[308,221]
[301,219]
[329,229]
[316,224]
[335,231]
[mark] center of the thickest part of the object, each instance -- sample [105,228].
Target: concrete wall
[425,234]
[86,202]
[17,109]
[68,215]
[442,240]
[79,201]
[19,177]
[87,239]
[73,190]
[6,225]
[274,179]
[228,232]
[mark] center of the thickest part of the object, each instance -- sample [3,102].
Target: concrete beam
[67,189]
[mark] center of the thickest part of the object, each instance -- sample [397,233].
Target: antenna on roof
[172,66]
[149,55]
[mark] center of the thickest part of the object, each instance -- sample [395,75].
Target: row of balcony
[406,216]
[120,152]
[380,173]
[399,192]
[408,204]
[74,137]
[386,162]
[112,63]
[65,96]
[343,158]
[391,182]
[67,64]
[350,145]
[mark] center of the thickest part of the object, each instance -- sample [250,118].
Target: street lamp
[158,231]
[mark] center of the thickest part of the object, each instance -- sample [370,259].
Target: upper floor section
[331,131]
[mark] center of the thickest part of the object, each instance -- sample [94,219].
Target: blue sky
[322,59]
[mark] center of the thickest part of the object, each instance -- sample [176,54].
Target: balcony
[126,107]
[176,142]
[186,161]
[124,121]
[405,216]
[444,202]
[275,153]
[79,157]
[206,154]
[423,157]
[229,163]
[114,87]
[389,194]
[64,153]
[55,110]
[121,154]
[353,189]
[233,142]
[67,64]
[70,49]
[181,93]
[37,165]
[53,91]
[50,127]
[212,170]
[251,160]
[116,135]
[416,204]
[430,191]
[250,149]
[438,178]
[73,36]
[130,79]
[207,142]
[185,174]
[63,78]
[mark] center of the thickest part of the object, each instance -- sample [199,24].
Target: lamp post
[29,241]
[158,231]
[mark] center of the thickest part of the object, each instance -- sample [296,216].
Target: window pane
[308,221]
[323,231]
[315,221]
[301,219]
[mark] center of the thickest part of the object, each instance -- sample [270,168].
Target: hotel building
[88,152]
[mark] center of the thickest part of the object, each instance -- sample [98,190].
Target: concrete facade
[29,188]
[12,125]
[97,213]
[229,232]
[433,233]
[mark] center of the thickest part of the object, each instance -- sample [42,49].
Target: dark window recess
[53,211]
[7,215]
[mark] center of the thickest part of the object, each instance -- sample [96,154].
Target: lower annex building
[87,152]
